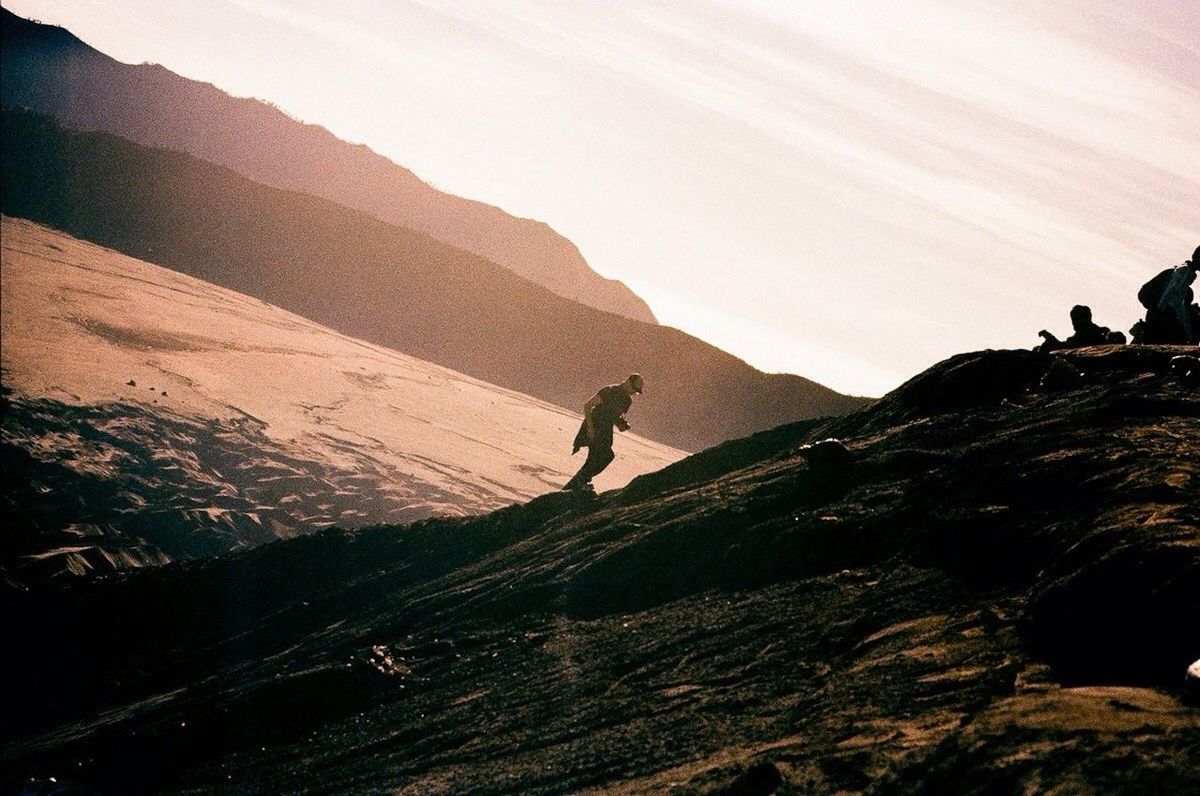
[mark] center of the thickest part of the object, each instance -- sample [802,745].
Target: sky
[849,190]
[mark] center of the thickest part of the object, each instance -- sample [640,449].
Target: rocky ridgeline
[989,584]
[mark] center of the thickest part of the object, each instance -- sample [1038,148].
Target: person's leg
[578,479]
[599,457]
[596,464]
[602,446]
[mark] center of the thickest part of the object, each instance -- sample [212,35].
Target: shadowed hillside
[993,588]
[49,70]
[386,284]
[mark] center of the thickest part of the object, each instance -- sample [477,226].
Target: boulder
[1061,376]
[1185,369]
[827,454]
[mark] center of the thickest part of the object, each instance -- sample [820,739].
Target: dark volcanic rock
[997,597]
[830,454]
[969,380]
[1061,375]
[1074,740]
[1186,369]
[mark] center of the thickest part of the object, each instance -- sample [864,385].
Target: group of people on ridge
[1172,315]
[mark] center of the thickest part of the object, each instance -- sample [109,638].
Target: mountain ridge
[50,70]
[386,284]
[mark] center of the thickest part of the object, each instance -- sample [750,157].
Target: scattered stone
[1061,376]
[164,392]
[383,661]
[828,453]
[1186,369]
[1034,678]
[131,383]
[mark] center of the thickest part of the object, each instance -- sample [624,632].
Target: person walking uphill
[601,413]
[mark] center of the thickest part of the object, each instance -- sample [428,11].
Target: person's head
[1081,316]
[633,384]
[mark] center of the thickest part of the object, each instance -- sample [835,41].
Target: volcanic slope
[150,415]
[49,70]
[386,284]
[995,589]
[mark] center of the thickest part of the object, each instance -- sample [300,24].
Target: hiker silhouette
[1172,316]
[601,413]
[1087,332]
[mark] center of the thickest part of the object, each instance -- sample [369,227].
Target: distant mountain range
[149,416]
[386,284]
[49,70]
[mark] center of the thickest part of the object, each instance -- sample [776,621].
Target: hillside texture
[993,588]
[387,285]
[184,419]
[49,70]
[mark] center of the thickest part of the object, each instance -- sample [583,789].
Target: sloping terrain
[994,588]
[49,70]
[386,284]
[150,416]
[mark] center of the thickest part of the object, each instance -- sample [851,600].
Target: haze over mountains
[49,70]
[386,284]
[151,416]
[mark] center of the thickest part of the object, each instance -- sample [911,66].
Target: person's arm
[592,403]
[1051,342]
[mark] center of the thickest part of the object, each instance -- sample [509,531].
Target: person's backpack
[1151,292]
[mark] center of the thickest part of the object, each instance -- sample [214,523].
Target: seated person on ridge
[1086,333]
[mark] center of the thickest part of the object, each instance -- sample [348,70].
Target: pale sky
[847,190]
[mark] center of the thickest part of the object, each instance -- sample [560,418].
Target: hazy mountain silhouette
[386,284]
[49,70]
[184,420]
[990,588]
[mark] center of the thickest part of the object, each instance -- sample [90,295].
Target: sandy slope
[180,361]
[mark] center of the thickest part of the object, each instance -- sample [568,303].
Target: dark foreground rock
[994,589]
